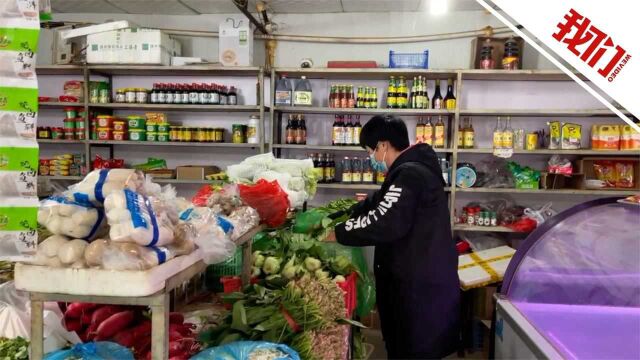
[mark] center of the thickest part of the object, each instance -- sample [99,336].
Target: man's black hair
[385,128]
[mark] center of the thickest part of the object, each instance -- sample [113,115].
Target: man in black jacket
[415,265]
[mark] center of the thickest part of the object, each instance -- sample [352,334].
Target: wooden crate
[498,50]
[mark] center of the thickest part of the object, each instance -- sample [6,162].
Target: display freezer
[573,289]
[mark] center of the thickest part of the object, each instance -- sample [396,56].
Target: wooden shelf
[516,75]
[460,227]
[340,186]
[59,70]
[178,107]
[187,70]
[541,112]
[62,178]
[334,148]
[551,191]
[170,143]
[558,151]
[365,73]
[59,104]
[60,142]
[338,111]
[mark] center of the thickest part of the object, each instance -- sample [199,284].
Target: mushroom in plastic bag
[99,184]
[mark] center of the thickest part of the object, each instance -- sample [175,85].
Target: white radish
[79,231]
[88,217]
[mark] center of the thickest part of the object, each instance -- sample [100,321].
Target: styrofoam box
[132,46]
[100,282]
[474,275]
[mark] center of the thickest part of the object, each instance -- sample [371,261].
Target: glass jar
[142,96]
[120,96]
[511,59]
[130,95]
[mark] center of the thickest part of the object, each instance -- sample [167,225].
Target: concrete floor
[374,337]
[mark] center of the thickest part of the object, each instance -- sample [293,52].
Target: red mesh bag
[268,198]
[203,194]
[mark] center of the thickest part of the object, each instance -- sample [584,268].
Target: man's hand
[331,237]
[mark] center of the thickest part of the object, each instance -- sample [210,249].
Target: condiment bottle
[346,170]
[486,56]
[428,131]
[233,96]
[290,131]
[439,137]
[356,170]
[469,135]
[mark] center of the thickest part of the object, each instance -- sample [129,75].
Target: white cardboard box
[235,43]
[132,46]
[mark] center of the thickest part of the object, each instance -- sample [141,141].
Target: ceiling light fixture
[438,7]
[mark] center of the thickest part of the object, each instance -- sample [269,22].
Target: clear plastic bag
[243,219]
[128,256]
[102,350]
[62,216]
[99,184]
[479,242]
[137,219]
[210,232]
[242,350]
[541,214]
[494,173]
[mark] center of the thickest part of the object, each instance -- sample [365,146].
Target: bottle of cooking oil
[439,134]
[497,134]
[428,132]
[507,135]
[468,135]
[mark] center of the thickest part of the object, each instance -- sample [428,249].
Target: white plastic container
[253,130]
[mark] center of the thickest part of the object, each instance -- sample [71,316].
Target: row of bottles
[466,134]
[432,134]
[342,96]
[503,134]
[325,166]
[202,94]
[350,170]
[399,97]
[346,133]
[286,95]
[296,130]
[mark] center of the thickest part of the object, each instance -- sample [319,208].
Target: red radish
[72,325]
[114,324]
[142,330]
[76,309]
[175,348]
[85,319]
[176,318]
[175,335]
[125,338]
[184,331]
[103,313]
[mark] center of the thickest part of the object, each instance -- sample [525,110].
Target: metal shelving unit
[58,104]
[502,229]
[549,191]
[108,71]
[170,143]
[541,112]
[358,111]
[178,107]
[560,152]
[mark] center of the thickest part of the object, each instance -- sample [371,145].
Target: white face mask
[380,166]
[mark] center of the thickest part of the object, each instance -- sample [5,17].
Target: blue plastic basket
[409,60]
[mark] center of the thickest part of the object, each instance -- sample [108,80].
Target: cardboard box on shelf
[586,167]
[132,46]
[235,43]
[193,172]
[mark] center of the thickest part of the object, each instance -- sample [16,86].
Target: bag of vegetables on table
[98,184]
[248,350]
[80,220]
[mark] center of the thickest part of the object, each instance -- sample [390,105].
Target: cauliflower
[312,264]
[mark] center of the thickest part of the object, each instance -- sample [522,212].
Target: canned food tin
[163,136]
[69,124]
[174,133]
[119,125]
[532,141]
[163,127]
[79,123]
[152,136]
[119,135]
[104,133]
[69,134]
[57,133]
[94,95]
[152,127]
[120,96]
[80,134]
[211,135]
[137,135]
[136,122]
[103,98]
[238,136]
[105,121]
[71,112]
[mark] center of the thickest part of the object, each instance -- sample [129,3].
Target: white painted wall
[448,54]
